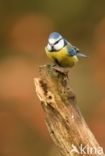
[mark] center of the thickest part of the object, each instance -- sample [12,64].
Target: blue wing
[72,51]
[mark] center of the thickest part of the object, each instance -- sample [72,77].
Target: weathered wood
[65,123]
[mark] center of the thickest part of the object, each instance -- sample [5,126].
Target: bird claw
[61,69]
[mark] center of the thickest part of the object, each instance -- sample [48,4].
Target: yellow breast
[62,57]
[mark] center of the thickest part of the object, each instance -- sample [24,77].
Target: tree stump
[64,121]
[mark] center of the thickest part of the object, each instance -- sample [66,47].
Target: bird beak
[81,55]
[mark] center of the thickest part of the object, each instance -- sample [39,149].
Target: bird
[62,52]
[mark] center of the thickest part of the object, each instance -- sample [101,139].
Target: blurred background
[24,29]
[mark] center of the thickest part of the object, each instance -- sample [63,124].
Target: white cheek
[59,45]
[49,47]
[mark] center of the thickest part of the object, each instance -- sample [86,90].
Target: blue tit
[61,52]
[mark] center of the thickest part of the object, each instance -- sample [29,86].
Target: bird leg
[60,69]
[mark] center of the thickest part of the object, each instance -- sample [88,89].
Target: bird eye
[49,47]
[59,45]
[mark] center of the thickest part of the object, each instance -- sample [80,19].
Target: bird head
[55,42]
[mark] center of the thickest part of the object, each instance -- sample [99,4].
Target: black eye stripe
[53,48]
[57,41]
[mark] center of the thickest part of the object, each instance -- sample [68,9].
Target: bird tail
[81,55]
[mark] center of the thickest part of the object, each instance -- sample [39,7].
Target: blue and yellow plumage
[61,52]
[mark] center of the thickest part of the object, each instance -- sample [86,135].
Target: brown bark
[65,123]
